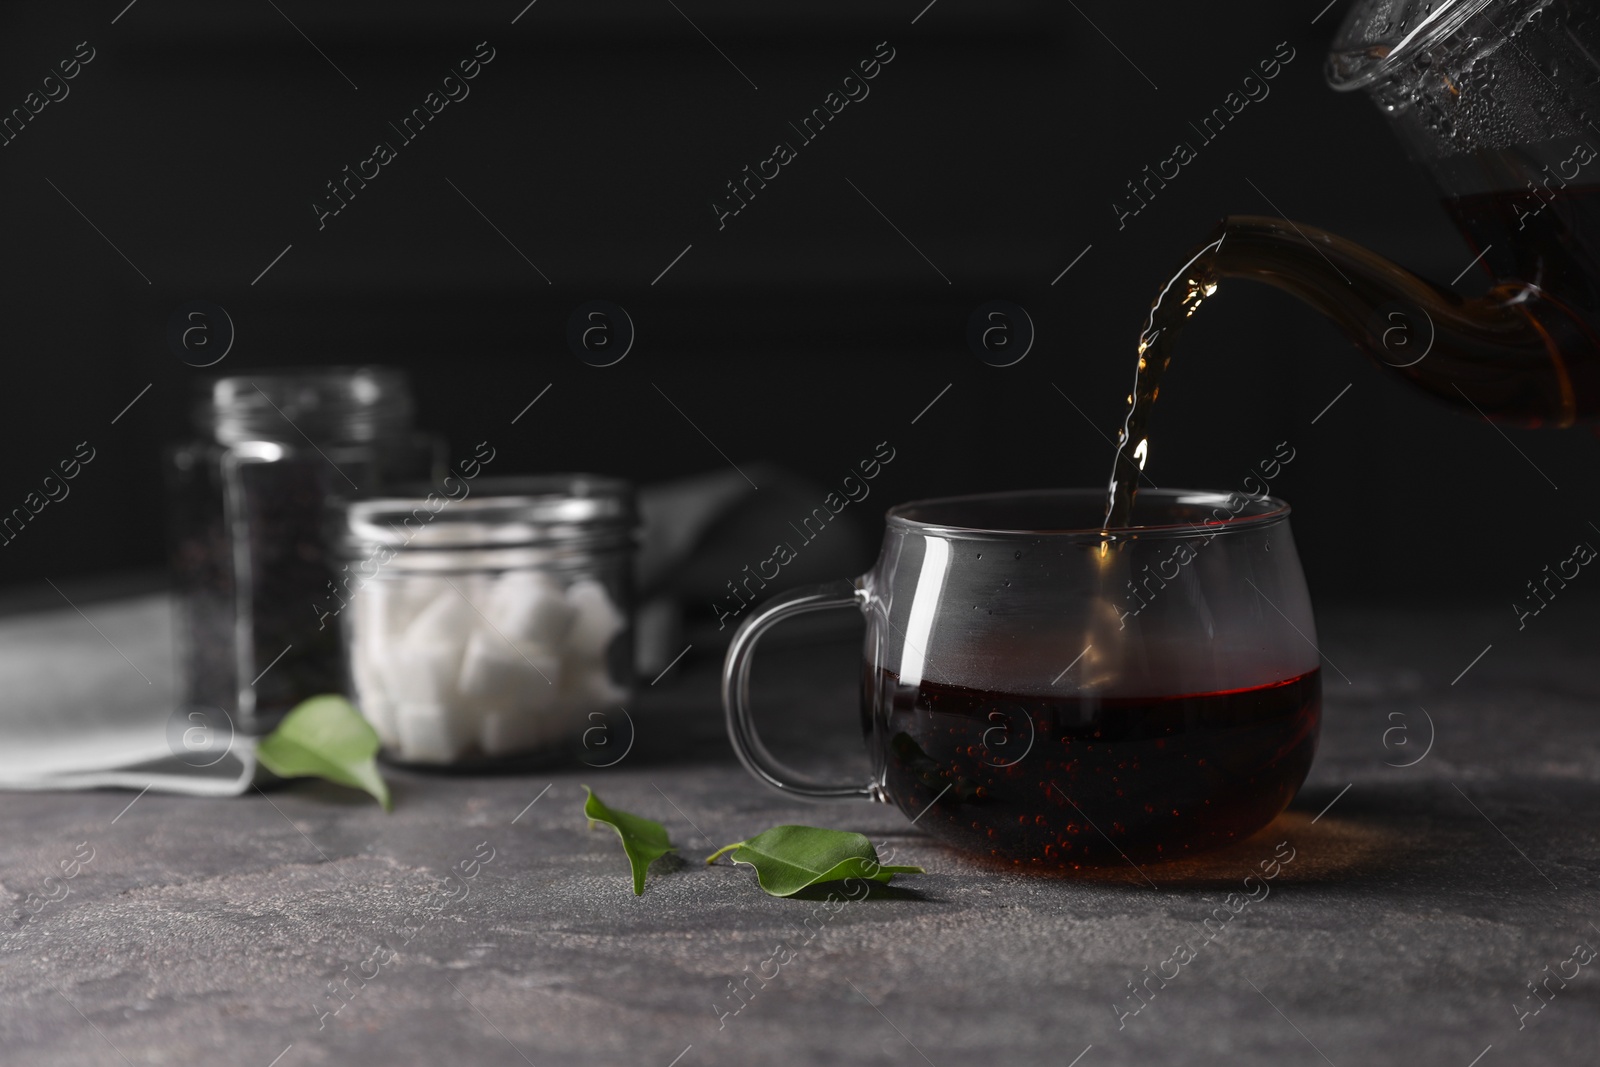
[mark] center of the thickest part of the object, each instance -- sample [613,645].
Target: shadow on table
[1424,832]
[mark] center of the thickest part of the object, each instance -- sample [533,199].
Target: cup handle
[736,691]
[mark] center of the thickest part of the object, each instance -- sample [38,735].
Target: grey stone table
[1420,903]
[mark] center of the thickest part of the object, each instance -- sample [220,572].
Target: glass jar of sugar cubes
[489,619]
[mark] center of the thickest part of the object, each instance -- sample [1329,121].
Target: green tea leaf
[326,737]
[787,859]
[643,840]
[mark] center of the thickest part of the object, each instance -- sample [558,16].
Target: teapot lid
[1380,35]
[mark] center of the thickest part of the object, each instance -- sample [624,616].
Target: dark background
[804,332]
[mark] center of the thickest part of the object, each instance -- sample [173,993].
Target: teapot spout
[1516,354]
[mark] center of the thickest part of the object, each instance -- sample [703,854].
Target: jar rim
[500,511]
[327,404]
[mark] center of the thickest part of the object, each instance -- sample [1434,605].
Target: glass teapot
[1499,100]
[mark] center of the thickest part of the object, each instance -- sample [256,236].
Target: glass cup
[1055,696]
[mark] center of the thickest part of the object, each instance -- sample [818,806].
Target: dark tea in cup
[1053,694]
[1017,775]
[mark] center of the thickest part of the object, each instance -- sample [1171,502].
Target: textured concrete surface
[1405,930]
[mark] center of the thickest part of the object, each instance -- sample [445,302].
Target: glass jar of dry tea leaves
[248,504]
